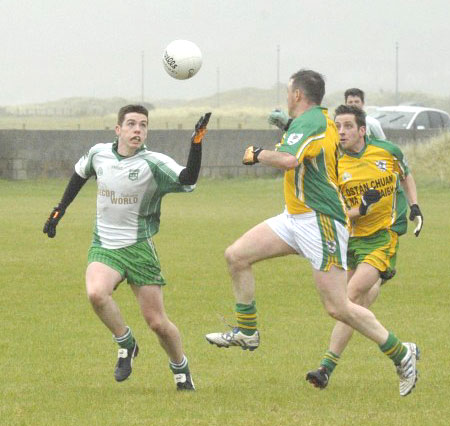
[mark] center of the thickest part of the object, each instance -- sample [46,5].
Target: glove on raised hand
[278,118]
[200,128]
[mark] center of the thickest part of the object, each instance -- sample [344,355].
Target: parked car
[411,117]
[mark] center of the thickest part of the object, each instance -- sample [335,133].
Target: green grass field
[57,359]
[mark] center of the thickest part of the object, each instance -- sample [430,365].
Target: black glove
[200,129]
[52,221]
[369,197]
[251,155]
[416,216]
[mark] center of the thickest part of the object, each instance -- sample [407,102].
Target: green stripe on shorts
[138,263]
[331,251]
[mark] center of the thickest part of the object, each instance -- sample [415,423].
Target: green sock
[330,361]
[182,367]
[126,341]
[394,349]
[246,318]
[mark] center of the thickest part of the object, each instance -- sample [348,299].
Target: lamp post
[396,74]
[278,75]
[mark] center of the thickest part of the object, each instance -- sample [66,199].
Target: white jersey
[129,192]
[374,129]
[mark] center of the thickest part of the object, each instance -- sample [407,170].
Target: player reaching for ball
[314,225]
[131,182]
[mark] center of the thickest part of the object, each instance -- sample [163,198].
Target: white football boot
[407,371]
[234,338]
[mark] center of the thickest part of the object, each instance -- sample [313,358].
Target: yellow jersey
[313,186]
[379,165]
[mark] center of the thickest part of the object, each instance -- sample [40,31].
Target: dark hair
[360,115]
[311,83]
[354,92]
[130,108]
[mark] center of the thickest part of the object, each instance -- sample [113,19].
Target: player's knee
[356,295]
[230,255]
[97,297]
[233,257]
[156,323]
[336,312]
[156,327]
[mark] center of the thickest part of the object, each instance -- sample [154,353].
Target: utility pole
[278,75]
[218,86]
[396,74]
[142,77]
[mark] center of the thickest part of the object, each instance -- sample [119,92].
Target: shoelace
[222,318]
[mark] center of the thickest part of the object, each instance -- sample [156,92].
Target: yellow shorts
[379,250]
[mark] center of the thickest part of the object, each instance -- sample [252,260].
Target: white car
[411,117]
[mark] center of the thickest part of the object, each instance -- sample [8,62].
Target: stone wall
[31,154]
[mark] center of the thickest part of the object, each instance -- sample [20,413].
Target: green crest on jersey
[133,175]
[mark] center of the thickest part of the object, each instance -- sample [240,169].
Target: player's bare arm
[415,215]
[279,160]
[409,186]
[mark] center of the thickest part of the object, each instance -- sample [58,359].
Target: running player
[131,182]
[371,174]
[314,224]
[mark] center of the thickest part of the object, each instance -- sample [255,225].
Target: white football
[182,59]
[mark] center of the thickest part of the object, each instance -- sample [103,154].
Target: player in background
[352,97]
[371,175]
[373,127]
[131,181]
[314,225]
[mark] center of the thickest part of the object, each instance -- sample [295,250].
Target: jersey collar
[319,107]
[360,153]
[115,145]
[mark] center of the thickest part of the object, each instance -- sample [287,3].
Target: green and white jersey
[129,192]
[374,129]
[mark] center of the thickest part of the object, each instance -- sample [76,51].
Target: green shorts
[378,250]
[138,263]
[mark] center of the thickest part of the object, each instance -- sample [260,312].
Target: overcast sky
[53,49]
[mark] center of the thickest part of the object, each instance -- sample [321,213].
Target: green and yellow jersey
[379,165]
[312,186]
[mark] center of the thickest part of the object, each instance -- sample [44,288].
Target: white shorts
[315,236]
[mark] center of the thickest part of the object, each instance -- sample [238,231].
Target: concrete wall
[31,154]
[41,154]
